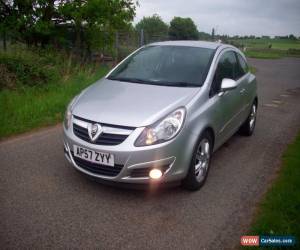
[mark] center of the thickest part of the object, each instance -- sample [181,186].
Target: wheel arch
[211,131]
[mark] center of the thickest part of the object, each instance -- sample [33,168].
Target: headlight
[68,114]
[163,130]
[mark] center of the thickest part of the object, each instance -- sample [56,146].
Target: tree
[5,11]
[213,34]
[96,21]
[153,27]
[39,22]
[10,20]
[28,21]
[292,37]
[183,29]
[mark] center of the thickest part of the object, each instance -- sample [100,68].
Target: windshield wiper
[129,79]
[179,84]
[161,83]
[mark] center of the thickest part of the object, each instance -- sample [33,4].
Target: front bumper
[132,164]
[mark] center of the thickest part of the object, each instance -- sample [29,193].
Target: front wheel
[200,163]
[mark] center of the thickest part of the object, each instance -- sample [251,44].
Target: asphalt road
[45,203]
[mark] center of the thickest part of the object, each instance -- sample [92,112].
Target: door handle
[242,91]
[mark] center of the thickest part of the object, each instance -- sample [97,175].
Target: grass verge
[279,212]
[31,107]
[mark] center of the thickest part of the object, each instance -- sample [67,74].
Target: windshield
[166,65]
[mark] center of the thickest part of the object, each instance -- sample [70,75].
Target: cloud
[233,17]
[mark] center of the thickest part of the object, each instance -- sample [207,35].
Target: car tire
[248,126]
[200,163]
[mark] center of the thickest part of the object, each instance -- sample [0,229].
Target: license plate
[94,156]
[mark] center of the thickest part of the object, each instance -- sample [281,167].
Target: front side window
[166,65]
[227,68]
[243,65]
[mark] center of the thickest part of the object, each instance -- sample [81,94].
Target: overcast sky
[233,17]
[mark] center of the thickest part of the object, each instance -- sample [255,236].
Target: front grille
[97,168]
[144,172]
[103,139]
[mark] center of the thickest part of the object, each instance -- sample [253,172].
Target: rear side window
[227,68]
[243,66]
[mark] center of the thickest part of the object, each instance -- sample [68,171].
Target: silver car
[159,115]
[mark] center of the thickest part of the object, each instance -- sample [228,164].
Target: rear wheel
[248,126]
[200,163]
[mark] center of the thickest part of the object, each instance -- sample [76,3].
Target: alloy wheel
[202,159]
[252,117]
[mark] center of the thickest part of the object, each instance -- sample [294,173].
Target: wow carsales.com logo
[268,240]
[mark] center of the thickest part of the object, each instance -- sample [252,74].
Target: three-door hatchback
[160,114]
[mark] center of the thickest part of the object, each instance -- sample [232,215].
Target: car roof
[200,44]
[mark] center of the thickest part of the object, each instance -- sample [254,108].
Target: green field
[268,48]
[266,53]
[283,44]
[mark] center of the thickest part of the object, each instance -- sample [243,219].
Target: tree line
[89,23]
[178,29]
[185,29]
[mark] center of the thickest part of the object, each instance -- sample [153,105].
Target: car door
[245,79]
[227,106]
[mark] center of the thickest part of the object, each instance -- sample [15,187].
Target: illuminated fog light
[155,174]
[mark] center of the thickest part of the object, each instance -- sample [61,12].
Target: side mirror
[227,84]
